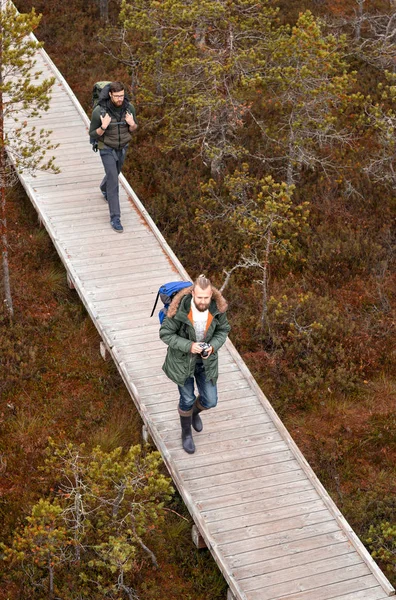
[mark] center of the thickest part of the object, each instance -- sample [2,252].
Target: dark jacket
[117,134]
[177,331]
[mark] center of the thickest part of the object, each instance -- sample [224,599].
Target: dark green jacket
[117,135]
[177,331]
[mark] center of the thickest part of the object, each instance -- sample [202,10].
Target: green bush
[381,541]
[314,344]
[91,533]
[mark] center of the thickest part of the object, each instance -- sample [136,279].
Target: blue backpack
[167,292]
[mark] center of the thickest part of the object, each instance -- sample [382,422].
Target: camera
[205,347]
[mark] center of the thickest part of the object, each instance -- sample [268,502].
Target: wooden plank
[207,497]
[127,288]
[229,417]
[207,464]
[231,446]
[170,424]
[298,552]
[259,494]
[367,594]
[247,513]
[364,587]
[277,526]
[245,552]
[164,425]
[208,437]
[306,584]
[316,574]
[277,561]
[236,465]
[262,522]
[79,227]
[95,236]
[126,256]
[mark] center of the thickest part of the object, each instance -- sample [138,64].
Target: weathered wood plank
[207,464]
[245,552]
[371,591]
[235,465]
[265,523]
[316,574]
[209,437]
[126,256]
[317,583]
[261,494]
[278,561]
[296,553]
[247,512]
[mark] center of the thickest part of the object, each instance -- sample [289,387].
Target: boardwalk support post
[230,595]
[197,538]
[70,282]
[146,435]
[105,354]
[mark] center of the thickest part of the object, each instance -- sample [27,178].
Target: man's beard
[202,307]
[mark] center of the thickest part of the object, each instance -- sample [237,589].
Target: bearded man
[196,314]
[113,121]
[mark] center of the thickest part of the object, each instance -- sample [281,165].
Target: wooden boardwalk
[268,522]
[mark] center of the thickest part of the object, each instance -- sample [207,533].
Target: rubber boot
[187,440]
[196,419]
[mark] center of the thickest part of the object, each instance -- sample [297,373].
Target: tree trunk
[358,28]
[3,220]
[264,309]
[290,163]
[158,66]
[50,578]
[4,252]
[104,10]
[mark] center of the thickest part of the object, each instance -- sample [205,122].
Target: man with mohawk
[194,330]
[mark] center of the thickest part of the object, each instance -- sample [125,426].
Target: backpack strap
[155,304]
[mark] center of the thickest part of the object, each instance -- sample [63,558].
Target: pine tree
[22,96]
[90,535]
[305,84]
[263,214]
[191,60]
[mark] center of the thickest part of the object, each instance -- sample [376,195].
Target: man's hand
[209,352]
[130,120]
[105,121]
[196,349]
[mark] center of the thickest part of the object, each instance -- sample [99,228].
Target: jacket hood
[221,302]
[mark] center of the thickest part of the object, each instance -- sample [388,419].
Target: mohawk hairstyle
[202,282]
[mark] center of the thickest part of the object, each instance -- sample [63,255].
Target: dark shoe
[196,419]
[104,194]
[116,225]
[187,440]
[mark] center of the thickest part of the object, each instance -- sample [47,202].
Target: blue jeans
[207,390]
[113,161]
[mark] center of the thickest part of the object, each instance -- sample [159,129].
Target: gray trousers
[113,161]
